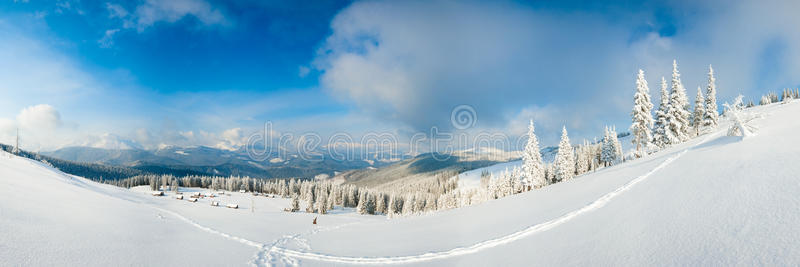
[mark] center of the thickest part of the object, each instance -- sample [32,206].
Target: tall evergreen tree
[582,157]
[533,166]
[322,202]
[310,202]
[661,136]
[611,150]
[380,203]
[362,203]
[678,113]
[391,207]
[641,116]
[618,155]
[699,112]
[295,204]
[565,159]
[711,117]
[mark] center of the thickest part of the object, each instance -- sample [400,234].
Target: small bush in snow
[739,119]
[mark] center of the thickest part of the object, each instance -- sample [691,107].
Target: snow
[714,200]
[472,179]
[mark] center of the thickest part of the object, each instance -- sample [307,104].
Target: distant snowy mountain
[211,161]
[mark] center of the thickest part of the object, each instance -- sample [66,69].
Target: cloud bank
[412,61]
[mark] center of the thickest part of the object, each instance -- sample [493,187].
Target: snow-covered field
[714,200]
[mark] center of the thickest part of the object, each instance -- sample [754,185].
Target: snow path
[541,227]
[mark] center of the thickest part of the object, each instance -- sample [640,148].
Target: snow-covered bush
[739,119]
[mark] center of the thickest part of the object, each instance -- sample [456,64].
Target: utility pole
[16,147]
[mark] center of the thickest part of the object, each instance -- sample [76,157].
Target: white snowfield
[714,200]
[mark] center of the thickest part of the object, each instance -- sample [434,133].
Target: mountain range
[204,160]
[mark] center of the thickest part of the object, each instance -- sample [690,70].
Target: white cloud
[154,11]
[412,61]
[151,12]
[7,129]
[108,39]
[232,139]
[116,11]
[41,117]
[109,141]
[40,126]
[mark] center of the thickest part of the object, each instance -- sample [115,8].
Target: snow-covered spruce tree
[641,116]
[678,113]
[409,203]
[419,204]
[593,152]
[698,118]
[565,161]
[661,136]
[582,158]
[310,202]
[154,181]
[618,156]
[607,150]
[788,95]
[175,185]
[519,185]
[493,188]
[430,203]
[596,152]
[390,208]
[764,100]
[322,202]
[380,203]
[399,203]
[362,203]
[533,166]
[711,117]
[332,199]
[295,206]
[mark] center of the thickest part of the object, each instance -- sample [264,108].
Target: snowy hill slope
[714,200]
[48,218]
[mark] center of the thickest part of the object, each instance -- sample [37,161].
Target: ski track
[266,254]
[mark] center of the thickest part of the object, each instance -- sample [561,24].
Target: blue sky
[201,72]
